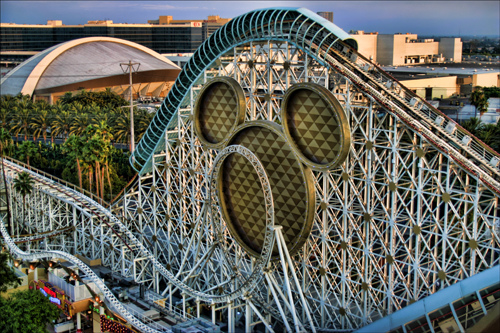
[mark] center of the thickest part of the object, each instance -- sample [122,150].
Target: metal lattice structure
[411,208]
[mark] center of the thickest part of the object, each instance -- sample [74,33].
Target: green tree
[80,123]
[144,118]
[490,134]
[122,130]
[23,184]
[479,100]
[7,105]
[26,150]
[97,148]
[5,140]
[491,91]
[61,124]
[8,277]
[27,311]
[74,148]
[40,123]
[21,120]
[473,125]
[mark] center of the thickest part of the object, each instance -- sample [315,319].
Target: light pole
[129,67]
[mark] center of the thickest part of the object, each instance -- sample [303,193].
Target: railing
[178,313]
[124,234]
[421,109]
[59,180]
[146,320]
[76,293]
[83,268]
[407,107]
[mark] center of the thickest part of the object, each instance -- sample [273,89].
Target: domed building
[93,64]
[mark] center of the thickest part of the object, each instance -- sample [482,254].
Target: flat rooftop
[465,68]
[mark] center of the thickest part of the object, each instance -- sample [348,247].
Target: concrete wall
[424,49]
[385,47]
[451,48]
[486,80]
[367,45]
[442,87]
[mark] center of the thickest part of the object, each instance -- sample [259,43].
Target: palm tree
[7,105]
[78,108]
[21,121]
[41,123]
[74,148]
[79,124]
[122,129]
[23,184]
[490,134]
[479,100]
[61,124]
[144,118]
[26,150]
[473,125]
[5,140]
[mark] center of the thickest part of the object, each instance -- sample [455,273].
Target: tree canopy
[27,311]
[479,100]
[8,277]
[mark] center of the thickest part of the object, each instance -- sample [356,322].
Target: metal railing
[419,108]
[176,312]
[59,180]
[83,268]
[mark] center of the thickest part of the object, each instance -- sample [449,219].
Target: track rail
[328,46]
[83,268]
[418,116]
[105,216]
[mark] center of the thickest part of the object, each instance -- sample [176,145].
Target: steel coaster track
[83,268]
[84,203]
[93,208]
[412,116]
[319,40]
[253,25]
[42,235]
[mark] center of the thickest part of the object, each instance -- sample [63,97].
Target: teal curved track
[298,26]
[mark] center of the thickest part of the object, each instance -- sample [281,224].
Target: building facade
[326,15]
[164,35]
[78,64]
[407,49]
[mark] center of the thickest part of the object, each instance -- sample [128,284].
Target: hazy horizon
[430,18]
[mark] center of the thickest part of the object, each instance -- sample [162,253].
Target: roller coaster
[289,181]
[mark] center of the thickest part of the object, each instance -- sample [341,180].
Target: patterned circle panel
[316,126]
[219,108]
[291,185]
[244,201]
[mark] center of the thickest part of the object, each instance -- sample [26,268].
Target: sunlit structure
[93,64]
[289,181]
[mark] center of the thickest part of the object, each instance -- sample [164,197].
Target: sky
[429,18]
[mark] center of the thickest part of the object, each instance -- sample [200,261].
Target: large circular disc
[316,126]
[219,108]
[291,185]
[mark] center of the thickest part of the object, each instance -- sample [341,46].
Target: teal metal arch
[294,25]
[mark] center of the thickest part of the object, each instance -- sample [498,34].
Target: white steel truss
[412,210]
[402,217]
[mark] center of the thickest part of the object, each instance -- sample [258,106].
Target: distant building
[165,35]
[438,82]
[407,49]
[92,64]
[209,26]
[326,15]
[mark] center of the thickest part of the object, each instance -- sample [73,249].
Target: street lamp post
[129,67]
